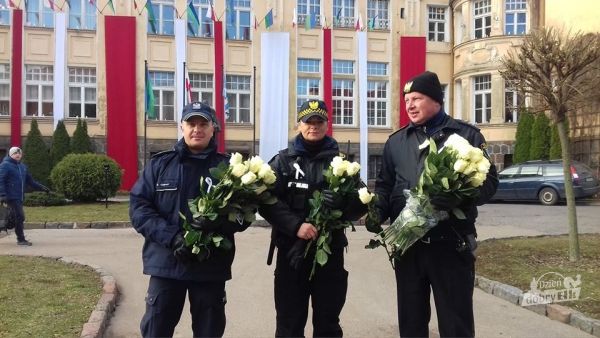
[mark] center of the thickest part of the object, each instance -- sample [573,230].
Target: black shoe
[24,243]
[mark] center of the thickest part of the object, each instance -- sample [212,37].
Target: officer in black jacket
[443,259]
[160,194]
[299,171]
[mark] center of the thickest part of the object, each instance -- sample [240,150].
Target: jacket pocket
[166,185]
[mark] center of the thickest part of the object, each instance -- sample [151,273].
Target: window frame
[374,166]
[306,96]
[347,9]
[43,15]
[377,106]
[238,10]
[484,81]
[483,12]
[516,12]
[306,7]
[237,92]
[86,16]
[161,90]
[342,102]
[5,16]
[160,7]
[5,83]
[83,87]
[206,27]
[375,9]
[436,21]
[199,90]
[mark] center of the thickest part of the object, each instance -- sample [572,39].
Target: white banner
[274,93]
[362,104]
[180,42]
[60,37]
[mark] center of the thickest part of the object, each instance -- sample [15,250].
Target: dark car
[544,181]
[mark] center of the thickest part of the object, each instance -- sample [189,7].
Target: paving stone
[486,285]
[596,327]
[559,313]
[581,321]
[507,292]
[91,330]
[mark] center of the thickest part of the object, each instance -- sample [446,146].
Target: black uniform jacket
[403,164]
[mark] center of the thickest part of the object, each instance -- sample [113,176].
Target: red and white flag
[188,87]
[294,18]
[209,13]
[359,24]
[49,4]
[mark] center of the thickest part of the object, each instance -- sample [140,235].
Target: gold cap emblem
[313,104]
[407,87]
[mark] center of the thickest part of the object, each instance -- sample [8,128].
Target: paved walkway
[370,309]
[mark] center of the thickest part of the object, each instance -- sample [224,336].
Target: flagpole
[254,112]
[145,117]
[184,87]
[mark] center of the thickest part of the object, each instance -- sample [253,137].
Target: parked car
[544,181]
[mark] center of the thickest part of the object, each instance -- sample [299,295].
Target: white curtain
[274,93]
[362,105]
[180,41]
[60,33]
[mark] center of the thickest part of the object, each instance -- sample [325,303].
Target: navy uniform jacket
[403,164]
[14,177]
[167,182]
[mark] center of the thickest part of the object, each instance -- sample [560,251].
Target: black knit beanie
[426,83]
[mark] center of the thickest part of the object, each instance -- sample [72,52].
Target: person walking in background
[14,178]
[157,199]
[299,171]
[443,260]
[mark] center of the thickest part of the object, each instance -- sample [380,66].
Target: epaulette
[465,123]
[402,128]
[162,153]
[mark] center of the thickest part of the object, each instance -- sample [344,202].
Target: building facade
[66,60]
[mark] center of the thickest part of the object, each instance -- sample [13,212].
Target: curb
[98,320]
[556,312]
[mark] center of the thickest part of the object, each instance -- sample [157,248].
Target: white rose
[235,159]
[238,170]
[460,165]
[353,168]
[364,195]
[471,168]
[478,179]
[483,166]
[269,177]
[456,141]
[255,164]
[248,178]
[264,169]
[475,154]
[336,161]
[340,168]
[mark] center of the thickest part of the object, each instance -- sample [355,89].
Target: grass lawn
[517,261]
[89,212]
[41,297]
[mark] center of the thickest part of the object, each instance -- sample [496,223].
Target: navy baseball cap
[198,109]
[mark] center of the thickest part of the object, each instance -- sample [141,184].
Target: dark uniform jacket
[167,183]
[14,177]
[403,164]
[293,191]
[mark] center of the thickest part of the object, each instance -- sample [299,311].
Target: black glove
[3,199]
[46,190]
[445,202]
[296,253]
[205,224]
[373,225]
[332,199]
[181,252]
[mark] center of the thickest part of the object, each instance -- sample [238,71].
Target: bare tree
[554,69]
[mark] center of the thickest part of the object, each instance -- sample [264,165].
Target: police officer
[299,171]
[160,194]
[443,259]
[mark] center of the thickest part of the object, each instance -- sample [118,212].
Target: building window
[306,7]
[377,96]
[202,88]
[164,13]
[163,85]
[238,97]
[39,90]
[513,102]
[82,15]
[483,98]
[343,67]
[483,18]
[4,89]
[343,11]
[309,66]
[516,17]
[4,15]
[238,20]
[375,164]
[307,89]
[205,28]
[437,23]
[343,102]
[378,10]
[82,92]
[38,15]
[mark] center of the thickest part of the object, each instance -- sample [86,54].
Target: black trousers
[327,291]
[164,304]
[18,218]
[450,274]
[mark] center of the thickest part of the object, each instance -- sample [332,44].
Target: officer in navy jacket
[160,194]
[443,260]
[14,177]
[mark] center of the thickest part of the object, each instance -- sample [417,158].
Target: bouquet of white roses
[455,171]
[242,186]
[341,177]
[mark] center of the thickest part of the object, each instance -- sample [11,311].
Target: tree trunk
[571,211]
